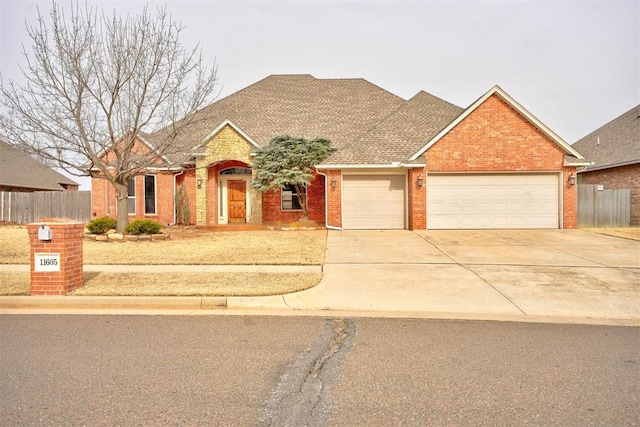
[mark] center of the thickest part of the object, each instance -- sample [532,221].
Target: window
[149,194]
[289,199]
[131,200]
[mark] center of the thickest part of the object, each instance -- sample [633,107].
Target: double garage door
[475,201]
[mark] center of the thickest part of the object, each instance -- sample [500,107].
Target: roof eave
[393,165]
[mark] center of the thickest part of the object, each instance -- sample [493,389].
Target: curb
[194,303]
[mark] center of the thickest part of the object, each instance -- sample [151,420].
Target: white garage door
[373,202]
[476,201]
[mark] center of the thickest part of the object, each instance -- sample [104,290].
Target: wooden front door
[237,201]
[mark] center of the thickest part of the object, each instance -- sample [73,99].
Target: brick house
[20,172]
[614,153]
[401,164]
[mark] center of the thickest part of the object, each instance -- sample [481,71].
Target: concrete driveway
[479,274]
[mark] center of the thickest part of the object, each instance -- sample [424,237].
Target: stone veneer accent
[226,144]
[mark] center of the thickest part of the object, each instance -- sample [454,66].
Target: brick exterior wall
[417,199]
[103,198]
[617,178]
[496,138]
[66,241]
[334,199]
[272,206]
[188,180]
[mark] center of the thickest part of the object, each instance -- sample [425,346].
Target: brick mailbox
[56,256]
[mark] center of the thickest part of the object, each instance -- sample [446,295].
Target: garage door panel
[373,201]
[492,201]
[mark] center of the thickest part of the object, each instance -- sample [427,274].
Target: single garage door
[473,201]
[373,202]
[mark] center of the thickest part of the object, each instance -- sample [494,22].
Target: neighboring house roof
[617,143]
[496,90]
[19,170]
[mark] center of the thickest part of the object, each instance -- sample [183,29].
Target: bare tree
[95,83]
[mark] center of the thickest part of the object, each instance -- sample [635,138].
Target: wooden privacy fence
[32,207]
[603,208]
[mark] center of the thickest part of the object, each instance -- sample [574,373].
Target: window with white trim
[289,198]
[149,194]
[131,199]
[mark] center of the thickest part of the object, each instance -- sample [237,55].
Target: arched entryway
[234,197]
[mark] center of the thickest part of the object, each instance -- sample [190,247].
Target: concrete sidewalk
[521,275]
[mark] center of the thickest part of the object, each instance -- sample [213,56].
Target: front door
[237,201]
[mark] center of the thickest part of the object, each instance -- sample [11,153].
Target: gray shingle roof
[616,143]
[17,169]
[365,122]
[400,135]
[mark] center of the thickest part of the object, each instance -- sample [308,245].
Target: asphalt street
[293,371]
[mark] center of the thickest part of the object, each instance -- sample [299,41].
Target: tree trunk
[122,196]
[302,198]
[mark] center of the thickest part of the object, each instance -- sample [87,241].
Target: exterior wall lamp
[419,182]
[572,179]
[199,182]
[333,182]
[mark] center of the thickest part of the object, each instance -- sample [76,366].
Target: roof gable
[221,126]
[617,143]
[496,90]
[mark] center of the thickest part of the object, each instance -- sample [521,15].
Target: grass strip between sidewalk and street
[174,284]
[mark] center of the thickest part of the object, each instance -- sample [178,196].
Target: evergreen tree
[288,160]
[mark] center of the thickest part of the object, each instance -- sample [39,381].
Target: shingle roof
[400,135]
[356,115]
[17,169]
[616,143]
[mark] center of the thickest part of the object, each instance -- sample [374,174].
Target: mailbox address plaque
[47,262]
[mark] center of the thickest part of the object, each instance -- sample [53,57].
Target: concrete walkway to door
[475,274]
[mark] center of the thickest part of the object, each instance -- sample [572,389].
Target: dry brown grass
[217,248]
[14,283]
[175,284]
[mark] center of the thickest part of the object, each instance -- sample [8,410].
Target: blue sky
[575,65]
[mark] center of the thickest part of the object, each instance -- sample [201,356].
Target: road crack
[301,396]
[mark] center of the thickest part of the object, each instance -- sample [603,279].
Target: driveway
[476,274]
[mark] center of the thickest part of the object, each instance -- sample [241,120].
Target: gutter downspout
[326,202]
[175,178]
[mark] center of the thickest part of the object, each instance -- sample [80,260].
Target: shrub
[143,226]
[101,225]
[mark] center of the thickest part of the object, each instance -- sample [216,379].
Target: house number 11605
[47,262]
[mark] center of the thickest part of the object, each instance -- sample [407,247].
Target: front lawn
[194,248]
[190,247]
